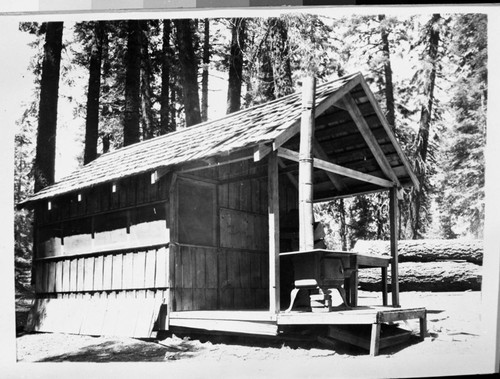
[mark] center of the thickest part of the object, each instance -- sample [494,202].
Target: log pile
[428,265]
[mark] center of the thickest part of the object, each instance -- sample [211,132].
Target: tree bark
[189,71]
[147,116]
[435,276]
[389,87]
[236,65]
[93,94]
[343,224]
[280,58]
[204,75]
[425,123]
[131,127]
[47,113]
[165,125]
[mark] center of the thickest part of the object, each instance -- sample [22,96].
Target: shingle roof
[239,130]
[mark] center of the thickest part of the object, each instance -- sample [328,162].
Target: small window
[49,205]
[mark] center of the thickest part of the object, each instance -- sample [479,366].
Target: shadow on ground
[180,346]
[111,351]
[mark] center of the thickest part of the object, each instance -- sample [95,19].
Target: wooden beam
[393,230]
[259,152]
[337,95]
[160,172]
[369,138]
[294,128]
[274,233]
[173,238]
[392,137]
[336,169]
[321,154]
[286,134]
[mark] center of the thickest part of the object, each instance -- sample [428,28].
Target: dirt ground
[454,338]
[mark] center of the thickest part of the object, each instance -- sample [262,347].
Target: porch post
[274,233]
[306,217]
[393,220]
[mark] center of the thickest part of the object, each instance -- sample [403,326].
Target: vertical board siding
[139,267]
[80,274]
[128,271]
[66,268]
[98,273]
[116,271]
[149,271]
[88,282]
[107,272]
[59,276]
[161,267]
[196,278]
[73,276]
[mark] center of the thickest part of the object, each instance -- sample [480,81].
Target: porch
[263,322]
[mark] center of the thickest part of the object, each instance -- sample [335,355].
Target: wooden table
[309,266]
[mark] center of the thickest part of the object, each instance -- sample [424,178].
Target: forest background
[122,81]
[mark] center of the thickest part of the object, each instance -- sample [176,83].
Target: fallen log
[430,276]
[430,250]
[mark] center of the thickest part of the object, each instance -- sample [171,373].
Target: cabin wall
[109,241]
[221,254]
[244,236]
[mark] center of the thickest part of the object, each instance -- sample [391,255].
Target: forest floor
[454,338]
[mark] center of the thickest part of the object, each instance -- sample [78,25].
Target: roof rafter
[369,138]
[336,169]
[320,108]
[389,132]
[335,179]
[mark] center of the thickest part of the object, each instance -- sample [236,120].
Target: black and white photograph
[265,192]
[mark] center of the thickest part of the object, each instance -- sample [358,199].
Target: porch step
[362,335]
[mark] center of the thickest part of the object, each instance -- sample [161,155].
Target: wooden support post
[274,233]
[423,326]
[375,339]
[306,217]
[384,285]
[393,219]
[170,294]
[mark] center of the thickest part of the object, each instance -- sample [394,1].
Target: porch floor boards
[357,315]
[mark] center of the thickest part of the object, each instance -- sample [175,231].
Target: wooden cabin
[183,229]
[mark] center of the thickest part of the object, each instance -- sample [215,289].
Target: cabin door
[195,275]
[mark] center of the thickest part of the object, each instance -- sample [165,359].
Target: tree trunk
[236,65]
[426,111]
[280,58]
[267,82]
[189,72]
[389,88]
[173,110]
[131,127]
[165,125]
[204,75]
[343,224]
[47,112]
[93,94]
[147,116]
[425,123]
[104,133]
